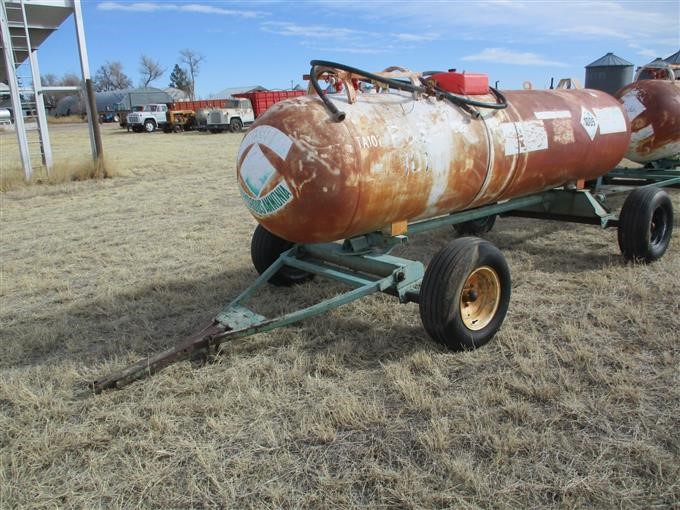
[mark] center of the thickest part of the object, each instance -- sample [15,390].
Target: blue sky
[270,43]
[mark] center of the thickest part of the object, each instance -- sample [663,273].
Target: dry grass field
[574,404]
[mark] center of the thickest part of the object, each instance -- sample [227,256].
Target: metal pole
[43,130]
[92,104]
[85,69]
[10,65]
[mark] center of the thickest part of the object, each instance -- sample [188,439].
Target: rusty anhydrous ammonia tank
[309,179]
[653,107]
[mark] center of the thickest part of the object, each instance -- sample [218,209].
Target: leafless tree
[110,76]
[192,60]
[50,80]
[50,98]
[71,80]
[150,70]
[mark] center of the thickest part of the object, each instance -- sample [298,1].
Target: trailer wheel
[476,227]
[149,126]
[235,125]
[645,225]
[265,249]
[177,128]
[465,293]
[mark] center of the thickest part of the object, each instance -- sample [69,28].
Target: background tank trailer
[236,114]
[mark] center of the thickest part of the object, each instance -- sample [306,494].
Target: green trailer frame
[364,263]
[663,173]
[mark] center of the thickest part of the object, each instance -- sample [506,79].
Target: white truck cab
[236,114]
[153,116]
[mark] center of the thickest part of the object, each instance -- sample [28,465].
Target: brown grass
[574,404]
[66,119]
[61,172]
[71,153]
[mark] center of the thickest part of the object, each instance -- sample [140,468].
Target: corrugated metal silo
[674,61]
[609,73]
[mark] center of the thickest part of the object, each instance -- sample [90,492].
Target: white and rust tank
[396,157]
[653,108]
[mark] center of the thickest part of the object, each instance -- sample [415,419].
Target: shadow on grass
[149,320]
[540,240]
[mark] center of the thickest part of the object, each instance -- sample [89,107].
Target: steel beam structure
[30,21]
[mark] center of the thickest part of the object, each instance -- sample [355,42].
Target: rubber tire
[265,249]
[643,209]
[441,289]
[177,128]
[235,125]
[476,227]
[149,126]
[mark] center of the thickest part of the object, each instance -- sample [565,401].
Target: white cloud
[646,52]
[355,41]
[310,31]
[353,50]
[505,56]
[415,37]
[592,31]
[576,20]
[196,8]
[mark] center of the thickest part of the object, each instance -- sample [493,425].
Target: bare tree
[50,98]
[192,60]
[71,80]
[110,76]
[50,80]
[149,69]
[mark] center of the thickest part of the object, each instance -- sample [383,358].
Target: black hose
[399,85]
[338,116]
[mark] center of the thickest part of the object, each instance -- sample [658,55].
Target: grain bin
[609,73]
[674,62]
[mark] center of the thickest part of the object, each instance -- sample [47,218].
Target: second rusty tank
[398,157]
[653,108]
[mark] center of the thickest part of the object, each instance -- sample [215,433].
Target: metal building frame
[24,25]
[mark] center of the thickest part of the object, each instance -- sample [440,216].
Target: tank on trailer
[652,104]
[396,158]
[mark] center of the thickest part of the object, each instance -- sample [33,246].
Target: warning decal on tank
[258,184]
[632,105]
[558,114]
[610,119]
[589,122]
[521,137]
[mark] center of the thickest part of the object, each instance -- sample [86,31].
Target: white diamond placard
[589,122]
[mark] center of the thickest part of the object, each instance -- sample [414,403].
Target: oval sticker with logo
[262,188]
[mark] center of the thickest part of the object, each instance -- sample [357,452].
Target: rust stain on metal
[563,132]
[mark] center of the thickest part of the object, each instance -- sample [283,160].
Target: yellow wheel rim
[480,298]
